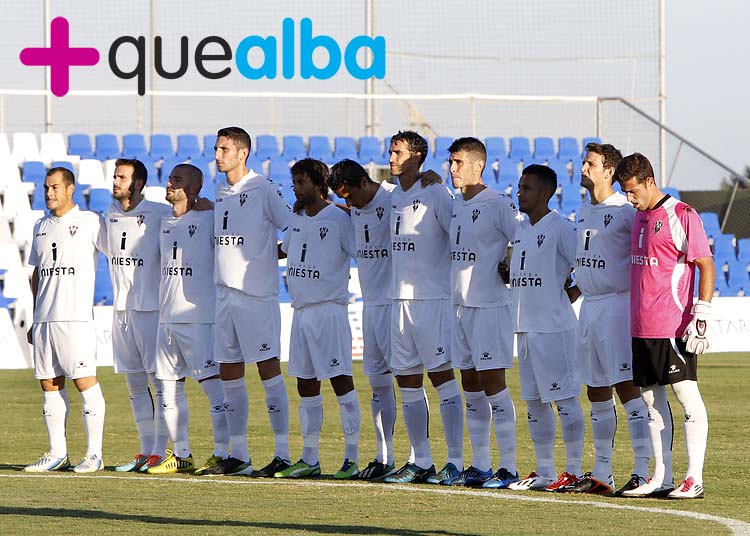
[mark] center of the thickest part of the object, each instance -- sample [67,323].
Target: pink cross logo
[59,56]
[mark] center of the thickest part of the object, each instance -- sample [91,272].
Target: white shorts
[247,330]
[376,320]
[134,341]
[185,350]
[604,355]
[482,338]
[64,349]
[544,362]
[420,334]
[321,342]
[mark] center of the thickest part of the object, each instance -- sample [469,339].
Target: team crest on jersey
[323,232]
[243,198]
[513,206]
[607,219]
[475,215]
[192,229]
[139,219]
[73,229]
[540,240]
[415,204]
[379,212]
[657,227]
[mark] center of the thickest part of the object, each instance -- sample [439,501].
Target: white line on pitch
[738,528]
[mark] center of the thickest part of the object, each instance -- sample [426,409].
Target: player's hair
[194,174]
[546,176]
[634,166]
[416,143]
[239,137]
[347,172]
[470,145]
[140,173]
[316,170]
[611,155]
[67,176]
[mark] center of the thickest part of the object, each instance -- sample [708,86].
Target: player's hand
[28,336]
[504,271]
[696,335]
[430,177]
[203,203]
[298,207]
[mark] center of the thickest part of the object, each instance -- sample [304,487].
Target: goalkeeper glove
[696,336]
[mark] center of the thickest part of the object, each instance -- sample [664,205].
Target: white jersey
[319,249]
[133,251]
[603,246]
[420,232]
[64,250]
[481,229]
[246,216]
[373,236]
[543,255]
[187,294]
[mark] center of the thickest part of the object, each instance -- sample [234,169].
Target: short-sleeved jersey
[420,235]
[246,217]
[187,293]
[372,233]
[133,251]
[543,255]
[666,240]
[64,251]
[319,250]
[603,246]
[481,229]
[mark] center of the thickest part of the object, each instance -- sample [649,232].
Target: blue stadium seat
[435,164]
[208,177]
[544,148]
[99,200]
[710,222]
[571,196]
[519,149]
[33,172]
[63,164]
[441,147]
[107,147]
[166,168]
[37,199]
[496,150]
[743,249]
[254,163]
[371,151]
[723,245]
[674,192]
[208,190]
[266,147]
[278,170]
[161,146]
[344,147]
[586,141]
[560,167]
[134,146]
[188,146]
[80,144]
[294,148]
[79,198]
[320,149]
[103,293]
[488,175]
[568,149]
[6,302]
[508,173]
[209,140]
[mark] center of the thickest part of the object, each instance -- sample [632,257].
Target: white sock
[55,410]
[93,419]
[639,438]
[383,406]
[311,421]
[573,426]
[215,394]
[277,404]
[350,424]
[660,431]
[543,429]
[143,408]
[161,434]
[504,421]
[176,416]
[696,426]
[236,409]
[416,419]
[603,428]
[478,419]
[452,415]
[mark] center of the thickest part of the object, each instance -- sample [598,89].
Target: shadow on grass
[160,520]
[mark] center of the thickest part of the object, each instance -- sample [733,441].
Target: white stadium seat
[155,193]
[52,148]
[91,173]
[25,147]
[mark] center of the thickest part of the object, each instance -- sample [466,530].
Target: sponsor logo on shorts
[81,364]
[624,367]
[440,351]
[485,357]
[673,369]
[555,387]
[209,363]
[264,347]
[334,362]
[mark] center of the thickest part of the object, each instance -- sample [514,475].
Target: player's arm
[203,203]
[34,290]
[706,278]
[571,289]
[697,335]
[429,177]
[280,252]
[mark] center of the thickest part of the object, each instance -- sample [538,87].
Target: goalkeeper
[668,242]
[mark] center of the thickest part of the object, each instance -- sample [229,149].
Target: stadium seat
[723,245]
[33,172]
[52,147]
[586,141]
[560,168]
[134,146]
[256,164]
[738,274]
[488,175]
[519,149]
[161,146]
[37,200]
[155,193]
[79,198]
[25,147]
[496,150]
[320,149]
[209,140]
[208,176]
[508,173]
[371,151]
[166,168]
[437,165]
[294,148]
[441,147]
[23,226]
[568,149]
[743,249]
[674,192]
[188,146]
[80,145]
[5,152]
[266,147]
[710,222]
[544,148]
[91,173]
[344,147]
[103,292]
[64,164]
[278,170]
[107,147]
[208,190]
